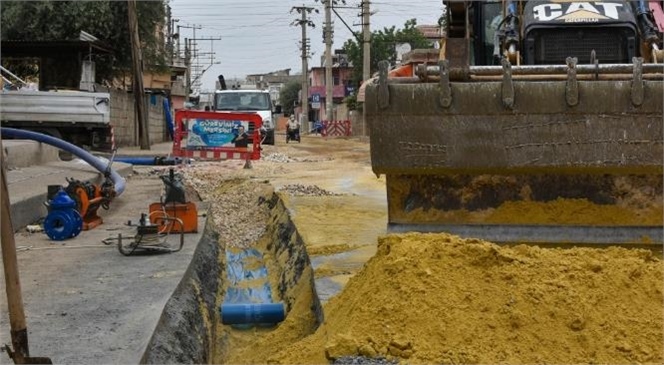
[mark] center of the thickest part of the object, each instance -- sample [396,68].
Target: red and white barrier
[216,126]
[337,128]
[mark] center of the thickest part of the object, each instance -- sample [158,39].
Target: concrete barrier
[25,153]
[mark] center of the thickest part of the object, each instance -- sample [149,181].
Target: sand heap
[442,299]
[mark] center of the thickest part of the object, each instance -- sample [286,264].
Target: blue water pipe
[255,313]
[101,166]
[63,220]
[169,118]
[244,306]
[151,160]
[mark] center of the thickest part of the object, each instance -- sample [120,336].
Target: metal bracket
[638,93]
[508,85]
[572,87]
[445,89]
[383,90]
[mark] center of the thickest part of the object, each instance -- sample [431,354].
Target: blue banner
[214,133]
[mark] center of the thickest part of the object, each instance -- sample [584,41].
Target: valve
[63,220]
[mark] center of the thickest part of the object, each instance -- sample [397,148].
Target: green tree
[289,96]
[106,20]
[383,46]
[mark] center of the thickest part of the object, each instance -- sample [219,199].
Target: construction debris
[277,157]
[306,190]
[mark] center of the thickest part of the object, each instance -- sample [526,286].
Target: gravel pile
[283,158]
[277,157]
[306,190]
[307,159]
[235,205]
[360,360]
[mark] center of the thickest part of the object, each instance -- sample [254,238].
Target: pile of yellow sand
[441,299]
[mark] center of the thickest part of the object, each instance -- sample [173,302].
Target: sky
[257,35]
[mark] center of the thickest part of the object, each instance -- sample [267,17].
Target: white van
[248,101]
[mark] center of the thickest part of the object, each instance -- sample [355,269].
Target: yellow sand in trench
[439,298]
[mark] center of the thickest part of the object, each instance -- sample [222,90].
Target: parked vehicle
[249,101]
[81,118]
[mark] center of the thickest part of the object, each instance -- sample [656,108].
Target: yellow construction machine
[534,121]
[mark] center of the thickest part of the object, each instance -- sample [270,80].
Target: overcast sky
[257,35]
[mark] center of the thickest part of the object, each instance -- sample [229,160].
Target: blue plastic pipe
[150,160]
[263,313]
[101,166]
[169,118]
[143,161]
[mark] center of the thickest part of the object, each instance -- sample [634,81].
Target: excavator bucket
[533,154]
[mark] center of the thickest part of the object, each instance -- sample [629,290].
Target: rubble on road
[360,360]
[277,157]
[306,190]
[283,158]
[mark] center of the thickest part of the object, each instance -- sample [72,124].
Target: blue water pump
[63,220]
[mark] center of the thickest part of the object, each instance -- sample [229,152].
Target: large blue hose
[151,160]
[101,166]
[169,118]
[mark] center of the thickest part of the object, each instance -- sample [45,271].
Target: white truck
[249,101]
[81,118]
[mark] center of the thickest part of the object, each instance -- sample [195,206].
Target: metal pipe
[538,70]
[12,75]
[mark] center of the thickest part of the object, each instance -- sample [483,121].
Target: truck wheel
[269,137]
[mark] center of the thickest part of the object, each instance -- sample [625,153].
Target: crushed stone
[306,190]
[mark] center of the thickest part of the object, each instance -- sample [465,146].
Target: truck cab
[248,101]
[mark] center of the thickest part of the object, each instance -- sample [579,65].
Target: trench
[190,328]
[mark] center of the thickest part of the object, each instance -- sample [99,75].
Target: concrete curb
[27,205]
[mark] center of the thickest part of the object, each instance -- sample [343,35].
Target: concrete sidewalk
[85,302]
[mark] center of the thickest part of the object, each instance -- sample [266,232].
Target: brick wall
[123,118]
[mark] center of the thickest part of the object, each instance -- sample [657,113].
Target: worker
[293,129]
[293,124]
[241,140]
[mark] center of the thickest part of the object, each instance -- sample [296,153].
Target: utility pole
[366,58]
[304,23]
[187,65]
[199,69]
[189,53]
[137,58]
[366,40]
[169,36]
[329,90]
